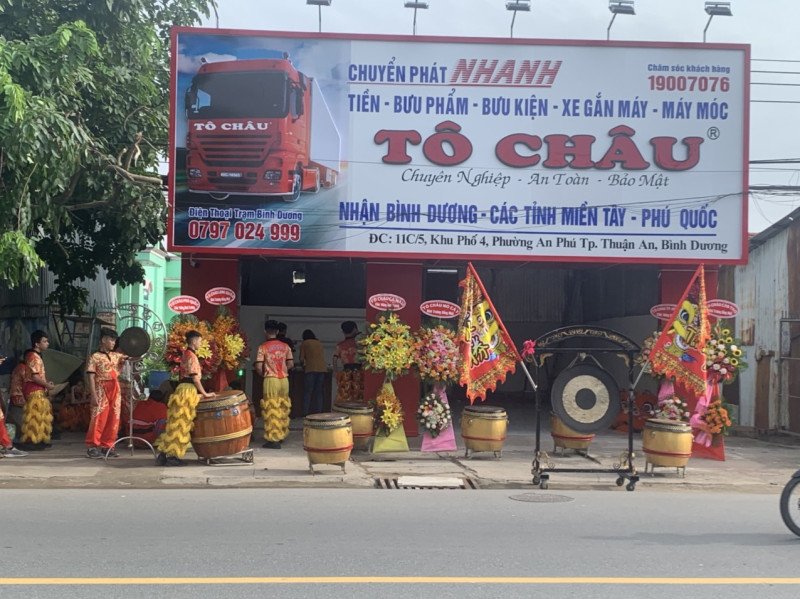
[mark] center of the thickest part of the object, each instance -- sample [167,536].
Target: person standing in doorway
[273,362]
[102,370]
[347,368]
[182,405]
[312,358]
[37,414]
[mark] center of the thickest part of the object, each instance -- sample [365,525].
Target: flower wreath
[433,414]
[230,340]
[207,353]
[387,413]
[434,354]
[386,347]
[724,355]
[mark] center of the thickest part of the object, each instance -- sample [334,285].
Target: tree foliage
[83,122]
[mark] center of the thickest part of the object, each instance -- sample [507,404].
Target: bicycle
[790,504]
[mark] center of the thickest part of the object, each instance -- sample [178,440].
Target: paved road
[359,543]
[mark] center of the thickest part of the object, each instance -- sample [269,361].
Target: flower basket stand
[395,441]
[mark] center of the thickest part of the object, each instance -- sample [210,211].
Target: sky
[769,26]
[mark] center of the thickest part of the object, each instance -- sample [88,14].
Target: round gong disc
[585,398]
[134,342]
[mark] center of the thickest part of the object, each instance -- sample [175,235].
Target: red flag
[487,352]
[678,351]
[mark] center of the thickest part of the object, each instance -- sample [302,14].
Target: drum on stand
[361,419]
[327,439]
[222,427]
[483,428]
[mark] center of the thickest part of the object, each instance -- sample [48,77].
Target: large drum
[327,439]
[222,426]
[483,428]
[667,443]
[566,438]
[361,419]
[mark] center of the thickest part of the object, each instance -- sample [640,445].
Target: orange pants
[104,424]
[4,440]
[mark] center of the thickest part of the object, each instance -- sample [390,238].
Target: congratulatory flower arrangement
[230,340]
[433,414]
[387,414]
[724,355]
[207,353]
[434,354]
[386,347]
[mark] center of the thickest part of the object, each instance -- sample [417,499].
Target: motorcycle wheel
[790,505]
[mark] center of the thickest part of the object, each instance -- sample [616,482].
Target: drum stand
[131,405]
[548,346]
[245,456]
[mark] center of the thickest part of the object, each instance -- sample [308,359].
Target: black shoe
[109,452]
[46,445]
[272,445]
[94,453]
[173,461]
[161,459]
[27,446]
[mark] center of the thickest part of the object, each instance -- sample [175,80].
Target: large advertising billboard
[374,146]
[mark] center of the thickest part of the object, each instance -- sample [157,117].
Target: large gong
[585,398]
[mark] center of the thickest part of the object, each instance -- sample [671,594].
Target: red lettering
[397,143]
[506,72]
[463,70]
[561,146]
[623,150]
[486,70]
[664,157]
[527,71]
[506,150]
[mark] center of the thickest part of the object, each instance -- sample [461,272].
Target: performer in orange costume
[181,408]
[16,401]
[273,362]
[37,415]
[350,379]
[7,448]
[102,369]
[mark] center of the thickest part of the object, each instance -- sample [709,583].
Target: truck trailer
[259,127]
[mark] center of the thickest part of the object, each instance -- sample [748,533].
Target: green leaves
[82,89]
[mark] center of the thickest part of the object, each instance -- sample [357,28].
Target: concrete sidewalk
[752,465]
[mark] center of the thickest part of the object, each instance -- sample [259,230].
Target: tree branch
[132,176]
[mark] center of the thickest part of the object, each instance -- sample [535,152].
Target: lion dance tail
[181,411]
[37,419]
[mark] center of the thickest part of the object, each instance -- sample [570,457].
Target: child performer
[273,362]
[172,443]
[102,369]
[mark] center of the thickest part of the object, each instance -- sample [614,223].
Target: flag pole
[528,374]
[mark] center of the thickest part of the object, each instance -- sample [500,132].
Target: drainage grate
[541,498]
[423,483]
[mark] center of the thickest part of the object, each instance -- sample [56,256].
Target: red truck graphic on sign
[258,127]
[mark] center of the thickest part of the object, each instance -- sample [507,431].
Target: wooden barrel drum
[361,419]
[566,438]
[483,428]
[667,443]
[222,426]
[327,439]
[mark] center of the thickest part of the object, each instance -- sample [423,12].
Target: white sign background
[481,207]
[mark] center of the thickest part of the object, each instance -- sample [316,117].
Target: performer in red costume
[37,414]
[102,369]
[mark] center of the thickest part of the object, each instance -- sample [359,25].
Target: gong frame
[575,341]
